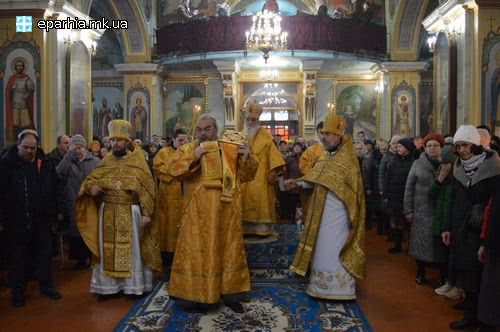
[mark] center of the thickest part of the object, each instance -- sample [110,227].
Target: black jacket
[395,182]
[465,237]
[30,193]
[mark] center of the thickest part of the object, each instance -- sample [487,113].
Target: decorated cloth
[126,182]
[210,258]
[335,173]
[258,195]
[310,156]
[168,209]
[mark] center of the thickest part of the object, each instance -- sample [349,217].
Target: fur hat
[468,134]
[407,143]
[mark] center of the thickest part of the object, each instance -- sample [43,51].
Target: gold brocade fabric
[210,259]
[258,195]
[168,209]
[309,157]
[306,163]
[125,181]
[339,173]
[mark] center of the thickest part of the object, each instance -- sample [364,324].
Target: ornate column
[227,70]
[308,117]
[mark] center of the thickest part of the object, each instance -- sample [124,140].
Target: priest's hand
[94,190]
[272,178]
[244,150]
[198,152]
[291,184]
[145,220]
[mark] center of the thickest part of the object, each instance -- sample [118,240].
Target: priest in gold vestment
[210,258]
[259,199]
[331,247]
[113,214]
[168,210]
[307,161]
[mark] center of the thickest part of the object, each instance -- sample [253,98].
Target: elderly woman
[477,175]
[74,168]
[419,210]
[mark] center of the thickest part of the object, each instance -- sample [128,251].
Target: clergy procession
[183,214]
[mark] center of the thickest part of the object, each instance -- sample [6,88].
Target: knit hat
[78,139]
[434,137]
[448,140]
[468,134]
[395,139]
[447,154]
[407,143]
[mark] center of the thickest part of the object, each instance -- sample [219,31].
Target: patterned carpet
[277,301]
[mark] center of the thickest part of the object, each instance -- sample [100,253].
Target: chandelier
[265,35]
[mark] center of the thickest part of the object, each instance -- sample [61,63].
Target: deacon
[168,209]
[331,248]
[312,153]
[118,230]
[210,259]
[258,195]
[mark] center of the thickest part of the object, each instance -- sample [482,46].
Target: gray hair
[207,116]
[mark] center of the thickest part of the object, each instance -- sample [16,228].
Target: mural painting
[403,110]
[490,114]
[138,102]
[20,88]
[356,101]
[183,97]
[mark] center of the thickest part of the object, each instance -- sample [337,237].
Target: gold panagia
[210,257]
[258,195]
[338,172]
[125,181]
[168,210]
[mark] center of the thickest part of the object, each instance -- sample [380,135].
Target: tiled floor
[389,297]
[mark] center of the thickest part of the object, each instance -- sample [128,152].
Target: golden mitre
[253,110]
[334,124]
[233,137]
[119,129]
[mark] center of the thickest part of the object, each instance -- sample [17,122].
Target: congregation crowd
[439,194]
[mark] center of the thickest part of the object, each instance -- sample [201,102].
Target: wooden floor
[389,297]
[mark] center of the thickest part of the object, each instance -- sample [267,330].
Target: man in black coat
[31,202]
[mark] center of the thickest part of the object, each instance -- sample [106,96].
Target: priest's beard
[119,153]
[250,132]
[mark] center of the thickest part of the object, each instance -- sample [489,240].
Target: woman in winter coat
[73,169]
[420,211]
[477,175]
[397,173]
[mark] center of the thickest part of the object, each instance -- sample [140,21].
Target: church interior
[407,67]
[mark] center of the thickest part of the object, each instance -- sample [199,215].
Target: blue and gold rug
[272,307]
[277,301]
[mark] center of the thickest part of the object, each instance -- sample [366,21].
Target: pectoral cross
[491,22]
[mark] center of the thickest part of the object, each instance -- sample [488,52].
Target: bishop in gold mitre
[259,213]
[331,247]
[113,214]
[168,211]
[210,259]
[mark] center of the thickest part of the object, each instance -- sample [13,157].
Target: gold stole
[219,163]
